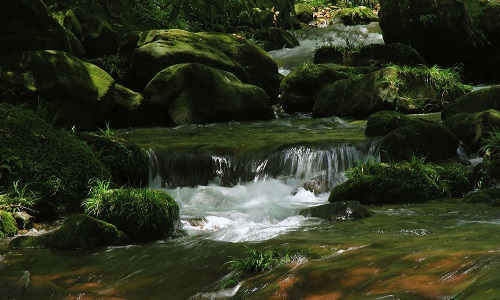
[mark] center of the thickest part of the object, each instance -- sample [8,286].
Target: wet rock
[23,220]
[317,185]
[77,232]
[338,211]
[274,38]
[383,122]
[419,137]
[196,94]
[490,196]
[476,101]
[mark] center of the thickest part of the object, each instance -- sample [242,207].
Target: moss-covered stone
[474,102]
[338,211]
[405,89]
[150,52]
[196,93]
[489,196]
[304,12]
[128,109]
[472,129]
[98,37]
[356,15]
[380,55]
[26,25]
[8,225]
[54,163]
[383,122]
[300,86]
[127,162]
[79,93]
[273,38]
[419,137]
[77,232]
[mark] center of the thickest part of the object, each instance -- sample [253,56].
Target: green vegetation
[19,198]
[51,163]
[255,263]
[402,182]
[446,84]
[490,169]
[355,15]
[143,214]
[8,225]
[491,145]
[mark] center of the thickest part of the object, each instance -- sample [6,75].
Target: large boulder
[383,122]
[81,93]
[408,89]
[447,32]
[338,211]
[300,86]
[195,93]
[128,109]
[149,52]
[476,101]
[419,137]
[473,129]
[26,25]
[77,232]
[99,38]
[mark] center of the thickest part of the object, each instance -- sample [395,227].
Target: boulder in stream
[476,101]
[383,122]
[338,211]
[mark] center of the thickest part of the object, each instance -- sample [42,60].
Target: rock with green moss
[67,18]
[128,163]
[476,101]
[304,12]
[473,129]
[149,52]
[447,33]
[380,55]
[338,211]
[143,214]
[300,86]
[99,38]
[405,89]
[8,225]
[52,163]
[383,122]
[195,93]
[457,178]
[489,196]
[26,25]
[77,232]
[273,38]
[401,182]
[356,15]
[128,109]
[80,93]
[419,137]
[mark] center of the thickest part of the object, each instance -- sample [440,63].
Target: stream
[241,186]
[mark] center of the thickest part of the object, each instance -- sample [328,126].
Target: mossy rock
[54,163]
[8,225]
[77,232]
[195,93]
[476,101]
[67,18]
[407,90]
[26,25]
[457,177]
[338,211]
[128,109]
[99,38]
[391,183]
[273,38]
[304,12]
[128,163]
[150,52]
[383,122]
[356,15]
[144,215]
[472,129]
[380,55]
[300,86]
[489,196]
[419,137]
[80,93]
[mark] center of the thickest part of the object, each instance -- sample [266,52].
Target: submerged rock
[77,232]
[419,137]
[195,93]
[338,211]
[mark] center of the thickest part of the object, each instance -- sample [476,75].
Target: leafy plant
[491,144]
[18,198]
[9,163]
[256,262]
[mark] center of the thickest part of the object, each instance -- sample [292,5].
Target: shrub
[143,214]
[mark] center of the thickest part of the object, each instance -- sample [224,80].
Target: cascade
[300,163]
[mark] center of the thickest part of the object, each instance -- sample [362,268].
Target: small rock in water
[338,211]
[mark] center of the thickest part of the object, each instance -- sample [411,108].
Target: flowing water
[242,185]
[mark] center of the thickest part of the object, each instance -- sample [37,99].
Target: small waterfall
[301,163]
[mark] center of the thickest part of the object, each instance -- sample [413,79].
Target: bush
[143,214]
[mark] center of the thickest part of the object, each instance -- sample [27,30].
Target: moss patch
[8,225]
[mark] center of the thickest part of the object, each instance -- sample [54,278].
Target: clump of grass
[143,214]
[491,144]
[18,198]
[255,263]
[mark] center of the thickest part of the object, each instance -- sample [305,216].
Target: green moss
[355,15]
[55,164]
[8,225]
[143,214]
[383,122]
[127,162]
